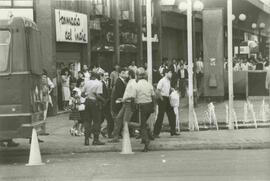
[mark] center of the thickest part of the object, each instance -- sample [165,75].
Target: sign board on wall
[213,50]
[71,26]
[243,50]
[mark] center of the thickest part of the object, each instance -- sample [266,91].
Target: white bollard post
[206,117]
[210,114]
[235,119]
[227,114]
[214,116]
[196,124]
[245,113]
[263,111]
[176,111]
[253,114]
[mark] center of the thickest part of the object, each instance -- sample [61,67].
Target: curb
[153,147]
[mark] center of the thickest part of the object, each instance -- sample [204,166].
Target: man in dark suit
[106,108]
[118,92]
[183,76]
[174,70]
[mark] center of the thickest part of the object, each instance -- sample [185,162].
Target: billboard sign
[71,26]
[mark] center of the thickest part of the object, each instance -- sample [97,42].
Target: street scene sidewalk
[60,141]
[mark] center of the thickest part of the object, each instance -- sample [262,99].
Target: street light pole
[230,64]
[149,38]
[117,32]
[190,62]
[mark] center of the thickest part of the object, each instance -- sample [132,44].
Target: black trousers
[164,106]
[92,118]
[145,111]
[106,114]
[182,87]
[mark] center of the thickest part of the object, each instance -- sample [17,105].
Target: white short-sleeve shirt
[144,92]
[92,88]
[164,85]
[130,91]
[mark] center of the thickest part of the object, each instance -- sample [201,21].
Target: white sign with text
[71,26]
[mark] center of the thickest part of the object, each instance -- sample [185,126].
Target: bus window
[4,50]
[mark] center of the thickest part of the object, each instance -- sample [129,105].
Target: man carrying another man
[128,106]
[145,98]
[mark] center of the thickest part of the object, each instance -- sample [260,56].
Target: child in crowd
[175,103]
[77,107]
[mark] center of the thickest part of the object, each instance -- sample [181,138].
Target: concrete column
[44,15]
[86,48]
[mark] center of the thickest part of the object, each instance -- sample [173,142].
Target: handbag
[81,107]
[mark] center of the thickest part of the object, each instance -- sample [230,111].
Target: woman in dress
[65,80]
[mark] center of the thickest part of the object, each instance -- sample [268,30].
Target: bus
[21,105]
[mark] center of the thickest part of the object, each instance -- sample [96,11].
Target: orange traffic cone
[34,157]
[126,145]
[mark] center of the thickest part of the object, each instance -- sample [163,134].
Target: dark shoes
[110,136]
[97,142]
[114,140]
[39,140]
[44,134]
[146,148]
[156,136]
[103,134]
[12,144]
[151,137]
[175,134]
[86,141]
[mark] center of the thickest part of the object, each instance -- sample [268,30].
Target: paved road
[156,166]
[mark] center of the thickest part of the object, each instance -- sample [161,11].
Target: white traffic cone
[126,145]
[34,157]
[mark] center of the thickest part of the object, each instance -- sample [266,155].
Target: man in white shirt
[163,66]
[128,107]
[199,74]
[267,80]
[86,72]
[133,66]
[244,65]
[163,92]
[145,97]
[93,90]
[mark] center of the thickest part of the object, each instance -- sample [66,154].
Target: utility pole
[138,20]
[116,32]
[149,39]
[230,63]
[190,62]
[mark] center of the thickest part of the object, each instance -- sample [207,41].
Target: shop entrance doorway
[62,66]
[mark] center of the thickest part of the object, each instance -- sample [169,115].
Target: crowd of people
[246,64]
[94,95]
[124,95]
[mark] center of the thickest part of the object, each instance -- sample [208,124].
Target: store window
[16,3]
[22,3]
[5,3]
[7,13]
